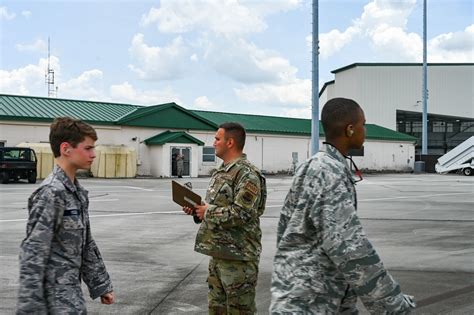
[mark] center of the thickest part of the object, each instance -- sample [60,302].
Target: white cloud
[334,40]
[458,46]
[296,93]
[389,12]
[26,14]
[38,46]
[246,63]
[218,16]
[5,15]
[381,19]
[268,7]
[384,24]
[159,63]
[298,112]
[126,93]
[222,25]
[28,80]
[267,77]
[202,102]
[394,43]
[87,86]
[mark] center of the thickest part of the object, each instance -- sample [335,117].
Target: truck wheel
[467,171]
[4,178]
[32,178]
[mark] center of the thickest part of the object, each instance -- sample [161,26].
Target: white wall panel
[381,90]
[272,153]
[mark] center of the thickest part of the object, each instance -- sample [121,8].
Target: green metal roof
[293,126]
[171,115]
[173,137]
[396,64]
[376,132]
[168,115]
[28,108]
[262,124]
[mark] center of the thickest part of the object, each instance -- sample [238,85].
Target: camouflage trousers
[232,287]
[322,304]
[66,299]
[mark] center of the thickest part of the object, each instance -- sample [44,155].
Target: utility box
[419,167]
[114,161]
[111,160]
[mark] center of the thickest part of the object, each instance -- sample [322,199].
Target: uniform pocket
[72,220]
[71,234]
[224,195]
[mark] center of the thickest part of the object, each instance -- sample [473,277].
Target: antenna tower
[49,76]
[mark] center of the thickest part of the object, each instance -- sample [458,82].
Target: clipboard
[183,196]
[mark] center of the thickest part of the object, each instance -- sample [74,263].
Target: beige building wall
[381,90]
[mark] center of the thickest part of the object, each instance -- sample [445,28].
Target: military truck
[16,164]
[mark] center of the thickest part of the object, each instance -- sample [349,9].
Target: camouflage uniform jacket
[231,225]
[58,250]
[324,261]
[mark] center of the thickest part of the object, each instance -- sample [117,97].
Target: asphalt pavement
[422,226]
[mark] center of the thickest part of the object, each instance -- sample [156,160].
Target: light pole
[315,83]
[424,141]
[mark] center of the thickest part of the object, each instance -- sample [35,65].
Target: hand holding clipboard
[186,198]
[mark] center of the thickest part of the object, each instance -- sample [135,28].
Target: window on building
[401,126]
[465,125]
[208,154]
[2,144]
[449,127]
[438,126]
[408,126]
[416,126]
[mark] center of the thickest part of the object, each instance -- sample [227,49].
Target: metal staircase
[460,158]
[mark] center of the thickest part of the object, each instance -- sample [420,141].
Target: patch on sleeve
[247,196]
[252,188]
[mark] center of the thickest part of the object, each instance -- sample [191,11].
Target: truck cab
[17,163]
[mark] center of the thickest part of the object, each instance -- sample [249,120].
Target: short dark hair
[67,129]
[337,114]
[235,131]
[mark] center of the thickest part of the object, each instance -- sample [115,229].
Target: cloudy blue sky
[247,56]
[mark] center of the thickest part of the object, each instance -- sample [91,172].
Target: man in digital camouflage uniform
[323,260]
[230,231]
[59,250]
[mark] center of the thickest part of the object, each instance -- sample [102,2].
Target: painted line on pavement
[444,296]
[137,188]
[111,215]
[416,196]
[135,213]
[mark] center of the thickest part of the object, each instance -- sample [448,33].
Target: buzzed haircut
[337,114]
[235,131]
[70,130]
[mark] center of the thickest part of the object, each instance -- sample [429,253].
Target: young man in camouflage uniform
[59,250]
[324,261]
[230,231]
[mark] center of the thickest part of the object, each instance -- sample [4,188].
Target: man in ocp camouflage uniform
[230,231]
[323,260]
[59,250]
